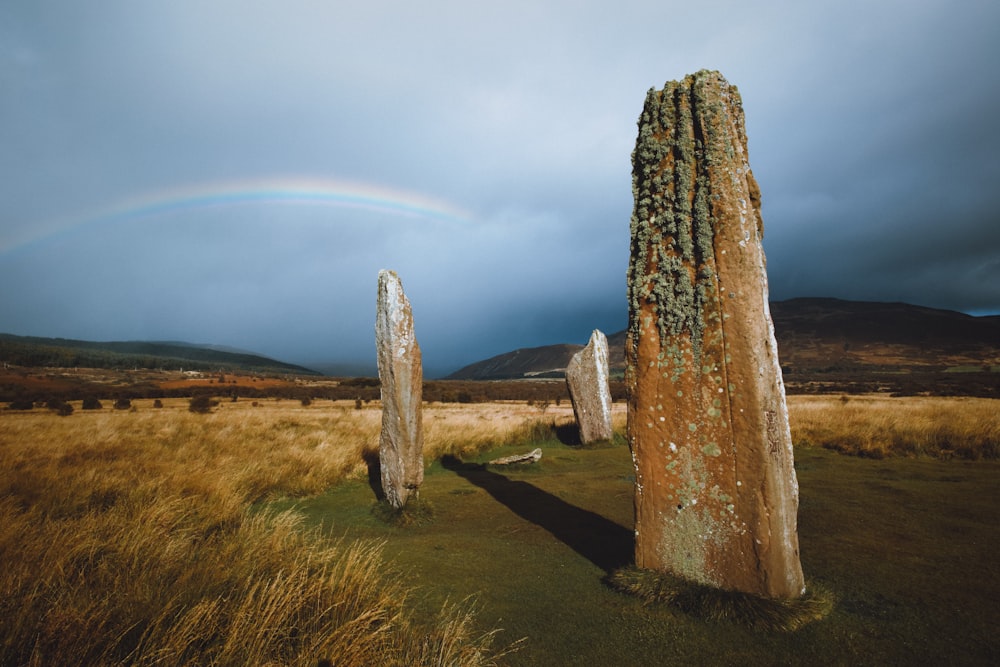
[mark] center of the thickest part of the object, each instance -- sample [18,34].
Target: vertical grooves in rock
[716,497]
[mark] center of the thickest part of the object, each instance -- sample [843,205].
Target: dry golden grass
[878,426]
[129,537]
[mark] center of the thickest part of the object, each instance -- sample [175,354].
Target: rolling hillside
[830,334]
[816,336]
[66,353]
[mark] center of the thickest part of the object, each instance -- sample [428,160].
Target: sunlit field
[128,537]
[245,536]
[878,426]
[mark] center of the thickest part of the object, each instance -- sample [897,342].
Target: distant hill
[546,361]
[830,334]
[815,335]
[67,353]
[345,369]
[530,362]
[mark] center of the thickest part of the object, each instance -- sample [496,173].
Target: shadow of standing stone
[603,542]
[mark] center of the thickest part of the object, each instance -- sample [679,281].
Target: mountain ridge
[35,351]
[815,334]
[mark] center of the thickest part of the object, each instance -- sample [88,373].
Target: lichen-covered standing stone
[587,380]
[716,496]
[401,442]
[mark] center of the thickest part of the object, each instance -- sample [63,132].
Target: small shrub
[21,404]
[60,407]
[123,404]
[306,401]
[202,404]
[157,403]
[91,403]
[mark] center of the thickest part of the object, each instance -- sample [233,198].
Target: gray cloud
[870,127]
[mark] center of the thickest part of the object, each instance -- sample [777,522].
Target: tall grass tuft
[881,426]
[452,640]
[131,538]
[713,604]
[161,584]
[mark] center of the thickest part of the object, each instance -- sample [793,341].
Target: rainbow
[307,191]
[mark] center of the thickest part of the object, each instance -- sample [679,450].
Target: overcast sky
[237,171]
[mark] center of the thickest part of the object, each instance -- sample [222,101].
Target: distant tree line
[981,383]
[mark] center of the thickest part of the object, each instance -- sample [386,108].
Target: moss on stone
[672,261]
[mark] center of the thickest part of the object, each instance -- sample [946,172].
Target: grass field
[247,536]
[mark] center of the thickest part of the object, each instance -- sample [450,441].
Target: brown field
[129,537]
[877,426]
[36,381]
[139,536]
[90,380]
[229,382]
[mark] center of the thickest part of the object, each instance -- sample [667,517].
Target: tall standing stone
[587,380]
[716,495]
[401,442]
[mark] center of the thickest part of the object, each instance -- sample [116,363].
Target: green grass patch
[714,604]
[906,547]
[412,513]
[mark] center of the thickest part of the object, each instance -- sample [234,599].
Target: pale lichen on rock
[400,369]
[587,381]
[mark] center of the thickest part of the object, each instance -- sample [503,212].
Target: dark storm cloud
[870,125]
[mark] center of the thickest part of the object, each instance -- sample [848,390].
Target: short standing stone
[401,442]
[716,494]
[587,380]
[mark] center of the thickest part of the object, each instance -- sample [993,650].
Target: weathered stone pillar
[587,380]
[401,442]
[716,495]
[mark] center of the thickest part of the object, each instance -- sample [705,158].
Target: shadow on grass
[568,434]
[604,543]
[374,473]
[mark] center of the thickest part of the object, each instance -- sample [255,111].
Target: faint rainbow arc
[337,194]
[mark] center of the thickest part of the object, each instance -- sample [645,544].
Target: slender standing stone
[716,495]
[587,380]
[401,442]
